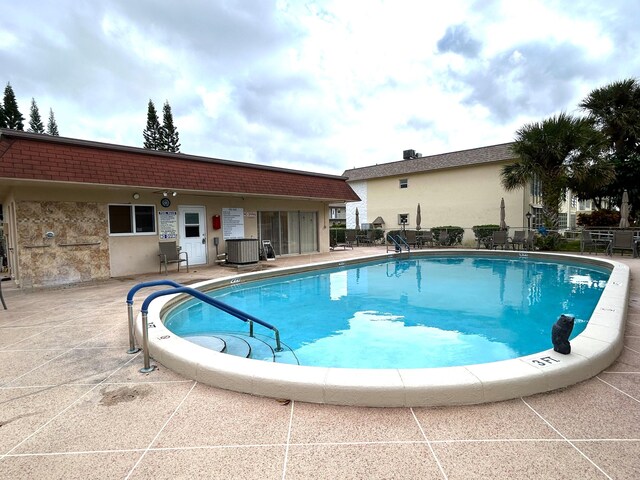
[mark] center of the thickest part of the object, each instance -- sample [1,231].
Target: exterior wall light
[136,196]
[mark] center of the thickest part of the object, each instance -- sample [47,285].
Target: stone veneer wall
[79,251]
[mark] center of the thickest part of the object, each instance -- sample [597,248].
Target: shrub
[482,231]
[455,234]
[599,218]
[551,241]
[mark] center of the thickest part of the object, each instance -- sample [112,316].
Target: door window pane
[192,231]
[191,218]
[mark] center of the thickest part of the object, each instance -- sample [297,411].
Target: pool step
[242,345]
[236,345]
[207,341]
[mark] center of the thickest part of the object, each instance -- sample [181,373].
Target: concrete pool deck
[75,406]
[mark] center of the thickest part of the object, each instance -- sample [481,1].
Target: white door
[193,234]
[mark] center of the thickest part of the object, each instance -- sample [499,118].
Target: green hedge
[484,233]
[455,234]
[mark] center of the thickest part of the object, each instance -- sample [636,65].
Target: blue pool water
[415,313]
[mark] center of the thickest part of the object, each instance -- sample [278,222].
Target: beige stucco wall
[459,196]
[79,215]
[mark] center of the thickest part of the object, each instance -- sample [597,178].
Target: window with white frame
[404,183]
[537,220]
[132,220]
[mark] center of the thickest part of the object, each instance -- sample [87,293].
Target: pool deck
[73,405]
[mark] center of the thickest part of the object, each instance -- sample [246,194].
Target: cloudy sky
[314,85]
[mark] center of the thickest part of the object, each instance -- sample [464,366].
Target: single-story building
[76,210]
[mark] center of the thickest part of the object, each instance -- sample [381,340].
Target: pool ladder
[399,242]
[245,317]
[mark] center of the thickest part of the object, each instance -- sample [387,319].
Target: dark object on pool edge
[560,334]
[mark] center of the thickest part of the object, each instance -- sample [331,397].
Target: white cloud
[320,85]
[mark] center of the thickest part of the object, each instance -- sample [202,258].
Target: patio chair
[623,240]
[531,239]
[366,238]
[443,238]
[411,238]
[587,241]
[333,244]
[519,239]
[350,237]
[426,239]
[170,253]
[500,239]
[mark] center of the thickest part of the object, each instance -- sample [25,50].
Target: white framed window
[403,219]
[132,219]
[404,183]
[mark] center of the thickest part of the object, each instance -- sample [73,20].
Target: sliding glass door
[290,232]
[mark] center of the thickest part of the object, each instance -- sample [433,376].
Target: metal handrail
[132,292]
[393,240]
[396,241]
[401,238]
[245,317]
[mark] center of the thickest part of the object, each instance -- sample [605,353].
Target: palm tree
[615,108]
[561,151]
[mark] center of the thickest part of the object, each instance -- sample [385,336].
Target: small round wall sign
[165,202]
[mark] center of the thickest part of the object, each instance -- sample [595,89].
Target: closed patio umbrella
[624,210]
[357,219]
[418,218]
[503,225]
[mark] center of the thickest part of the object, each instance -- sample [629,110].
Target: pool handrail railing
[245,317]
[397,240]
[132,292]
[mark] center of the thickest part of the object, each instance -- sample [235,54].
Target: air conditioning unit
[407,154]
[418,155]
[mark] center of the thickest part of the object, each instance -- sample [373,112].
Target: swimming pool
[593,350]
[422,312]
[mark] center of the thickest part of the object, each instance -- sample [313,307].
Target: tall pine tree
[12,115]
[3,121]
[169,138]
[52,126]
[153,132]
[35,122]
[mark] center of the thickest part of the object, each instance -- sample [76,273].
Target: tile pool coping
[591,352]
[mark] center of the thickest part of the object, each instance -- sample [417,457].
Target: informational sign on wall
[232,223]
[168,225]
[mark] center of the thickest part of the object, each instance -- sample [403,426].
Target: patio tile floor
[73,405]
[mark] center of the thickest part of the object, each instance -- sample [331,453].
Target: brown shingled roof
[31,156]
[474,156]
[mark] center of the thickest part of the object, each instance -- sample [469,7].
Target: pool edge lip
[592,351]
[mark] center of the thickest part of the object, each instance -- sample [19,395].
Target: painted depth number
[544,361]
